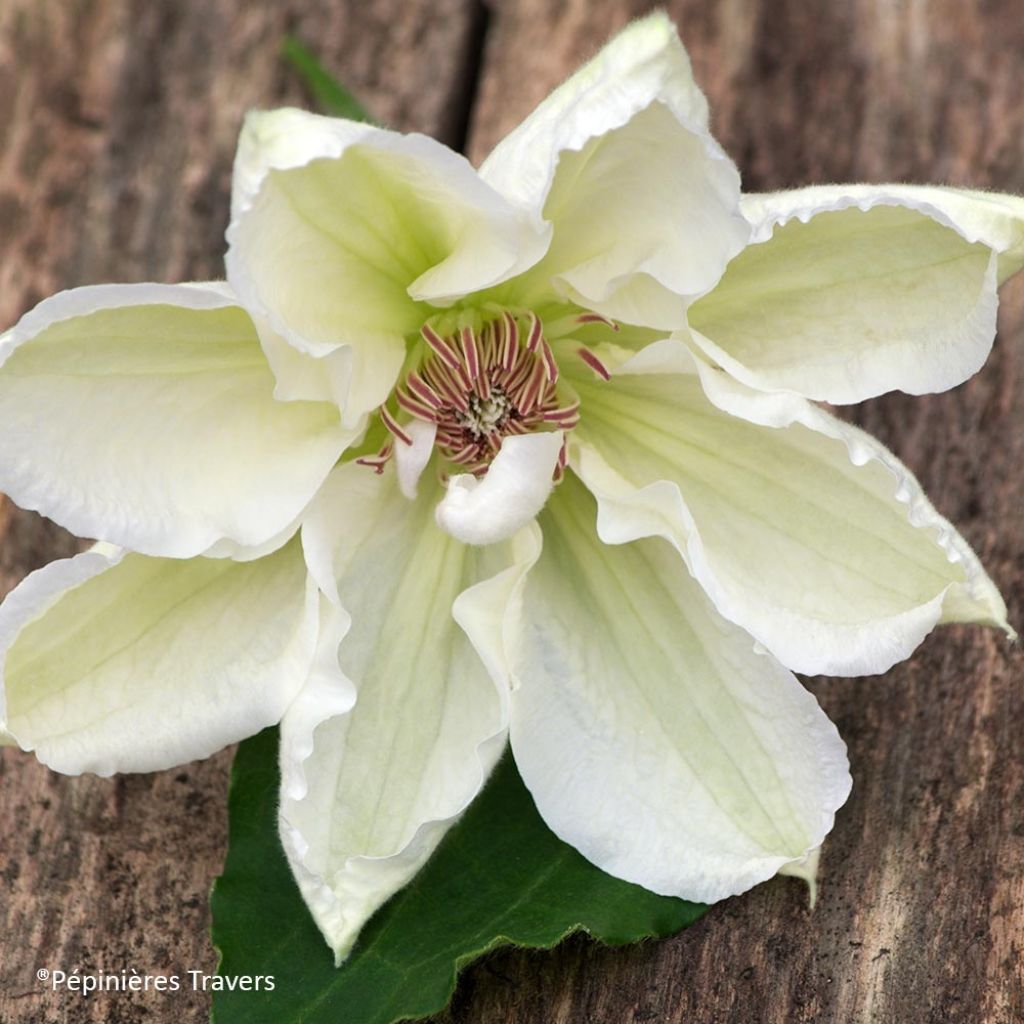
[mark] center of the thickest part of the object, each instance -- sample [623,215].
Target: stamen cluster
[479,386]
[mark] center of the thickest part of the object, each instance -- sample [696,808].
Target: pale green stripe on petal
[855,290]
[808,534]
[653,736]
[118,662]
[367,795]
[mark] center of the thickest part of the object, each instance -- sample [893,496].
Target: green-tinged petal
[992,219]
[855,290]
[145,415]
[804,531]
[653,736]
[298,376]
[367,795]
[342,233]
[643,202]
[116,662]
[644,63]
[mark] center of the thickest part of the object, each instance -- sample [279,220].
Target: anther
[440,346]
[594,363]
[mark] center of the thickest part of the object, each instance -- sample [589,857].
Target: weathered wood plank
[118,121]
[921,915]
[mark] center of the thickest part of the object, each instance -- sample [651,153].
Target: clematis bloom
[526,455]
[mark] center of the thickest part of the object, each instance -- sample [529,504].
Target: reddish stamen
[511,350]
[440,346]
[423,391]
[471,353]
[536,333]
[392,424]
[418,409]
[594,363]
[597,318]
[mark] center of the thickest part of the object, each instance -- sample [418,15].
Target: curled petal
[341,232]
[509,496]
[145,415]
[855,290]
[807,533]
[643,202]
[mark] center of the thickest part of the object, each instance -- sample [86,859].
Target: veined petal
[367,795]
[144,415]
[510,495]
[653,737]
[343,232]
[903,278]
[619,160]
[807,532]
[116,662]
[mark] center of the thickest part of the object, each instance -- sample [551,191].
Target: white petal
[144,415]
[299,376]
[644,63]
[808,534]
[992,219]
[327,692]
[644,203]
[412,459]
[856,290]
[342,232]
[118,662]
[508,497]
[367,795]
[653,737]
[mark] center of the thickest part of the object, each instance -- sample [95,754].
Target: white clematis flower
[584,502]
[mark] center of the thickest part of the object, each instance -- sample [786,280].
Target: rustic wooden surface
[117,121]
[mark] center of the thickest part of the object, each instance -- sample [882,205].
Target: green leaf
[332,96]
[500,876]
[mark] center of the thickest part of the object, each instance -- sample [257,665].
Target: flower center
[478,386]
[486,415]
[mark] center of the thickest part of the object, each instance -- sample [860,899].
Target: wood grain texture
[118,121]
[117,125]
